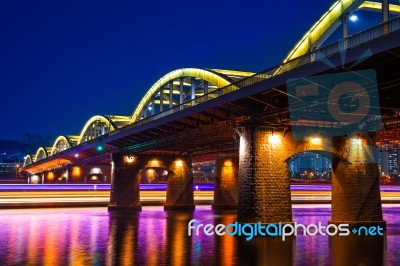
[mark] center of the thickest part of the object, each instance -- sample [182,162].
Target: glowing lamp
[356,141]
[353,18]
[315,141]
[274,139]
[100,148]
[129,159]
[228,163]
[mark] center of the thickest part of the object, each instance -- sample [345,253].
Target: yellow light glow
[129,159]
[41,153]
[50,176]
[94,178]
[228,163]
[233,72]
[35,179]
[179,163]
[356,141]
[60,138]
[76,171]
[178,73]
[93,119]
[154,163]
[377,7]
[315,140]
[96,170]
[321,27]
[274,139]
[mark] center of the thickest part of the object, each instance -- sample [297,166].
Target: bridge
[244,120]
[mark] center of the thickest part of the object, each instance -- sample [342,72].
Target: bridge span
[244,119]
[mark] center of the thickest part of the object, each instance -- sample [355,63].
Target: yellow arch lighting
[377,7]
[45,152]
[60,138]
[322,26]
[93,119]
[29,159]
[179,73]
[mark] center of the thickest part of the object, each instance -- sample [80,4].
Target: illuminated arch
[329,22]
[63,143]
[215,77]
[28,160]
[42,153]
[110,122]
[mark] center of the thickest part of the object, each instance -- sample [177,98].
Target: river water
[93,236]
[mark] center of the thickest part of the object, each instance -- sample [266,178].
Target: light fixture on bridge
[353,18]
[315,140]
[274,139]
[228,163]
[356,141]
[76,155]
[154,163]
[179,163]
[129,159]
[95,170]
[35,179]
[100,148]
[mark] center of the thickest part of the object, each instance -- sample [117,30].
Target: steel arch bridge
[187,87]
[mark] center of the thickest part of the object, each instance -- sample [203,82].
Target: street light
[353,18]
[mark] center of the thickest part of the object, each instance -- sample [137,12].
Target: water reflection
[92,236]
[266,251]
[357,250]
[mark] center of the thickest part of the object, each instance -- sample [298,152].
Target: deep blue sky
[61,63]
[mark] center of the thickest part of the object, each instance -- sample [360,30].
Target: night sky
[62,63]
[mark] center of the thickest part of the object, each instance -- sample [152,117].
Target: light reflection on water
[92,236]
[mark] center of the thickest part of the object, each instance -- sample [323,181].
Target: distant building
[309,162]
[9,171]
[390,162]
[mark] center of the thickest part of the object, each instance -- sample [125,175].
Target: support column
[205,90]
[162,99]
[180,93]
[385,10]
[67,173]
[385,15]
[356,198]
[225,185]
[264,191]
[345,26]
[180,185]
[193,90]
[153,105]
[125,179]
[171,94]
